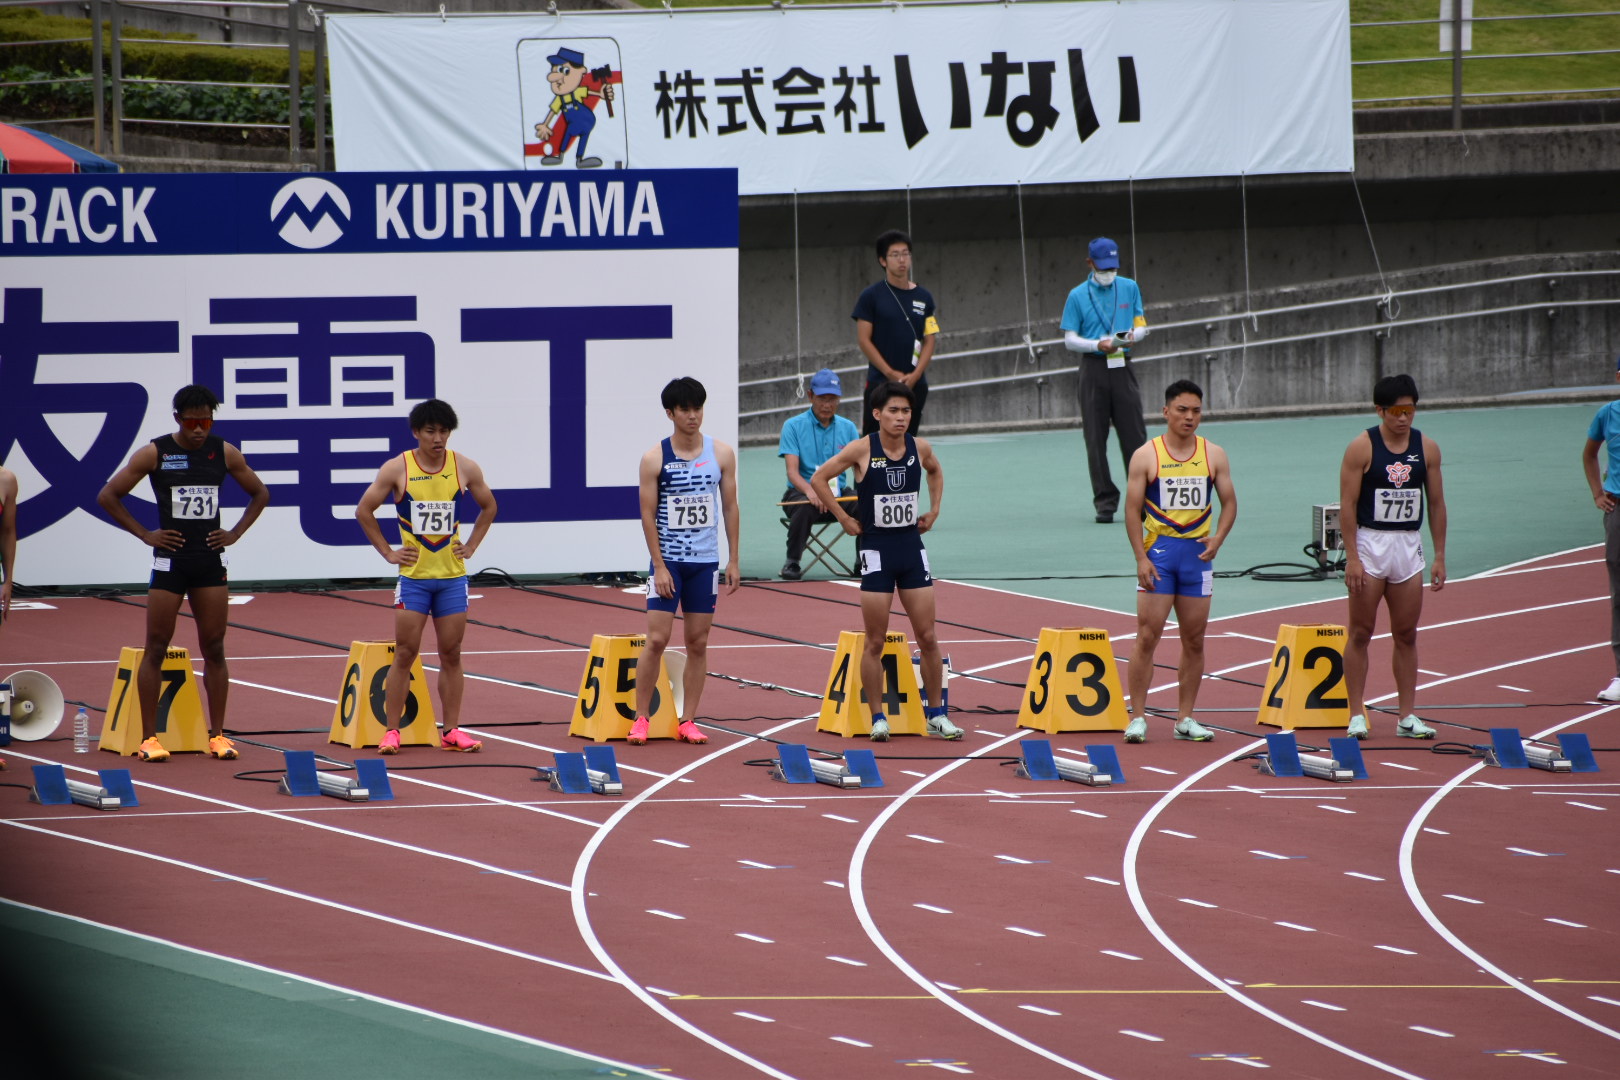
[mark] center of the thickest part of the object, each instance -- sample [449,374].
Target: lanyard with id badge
[1116,359]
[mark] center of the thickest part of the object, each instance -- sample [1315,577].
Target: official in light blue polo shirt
[1605,431]
[1101,320]
[808,440]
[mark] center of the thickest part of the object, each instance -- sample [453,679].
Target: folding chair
[818,550]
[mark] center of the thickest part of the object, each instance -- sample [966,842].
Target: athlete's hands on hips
[1353,575]
[1437,574]
[733,577]
[663,582]
[165,539]
[463,551]
[1606,502]
[220,539]
[402,556]
[926,522]
[1147,575]
[1211,546]
[851,526]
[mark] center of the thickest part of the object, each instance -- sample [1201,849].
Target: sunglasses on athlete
[202,424]
[1401,411]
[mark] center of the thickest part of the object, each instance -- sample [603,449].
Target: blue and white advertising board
[547,310]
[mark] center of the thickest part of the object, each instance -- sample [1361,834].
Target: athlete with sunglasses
[1388,473]
[187,470]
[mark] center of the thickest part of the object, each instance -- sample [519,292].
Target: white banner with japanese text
[548,310]
[856,98]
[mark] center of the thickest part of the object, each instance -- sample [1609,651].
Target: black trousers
[1109,395]
[800,521]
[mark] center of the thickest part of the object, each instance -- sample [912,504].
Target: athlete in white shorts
[1388,473]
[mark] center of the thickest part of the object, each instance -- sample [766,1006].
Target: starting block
[303,780]
[1306,667]
[357,719]
[843,711]
[1041,764]
[180,722]
[596,771]
[1073,683]
[1508,750]
[795,766]
[606,704]
[1284,759]
[53,788]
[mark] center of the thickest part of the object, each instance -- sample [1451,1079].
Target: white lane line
[1364,877]
[346,991]
[1397,765]
[1183,835]
[1464,899]
[1335,809]
[1088,813]
[1600,999]
[840,817]
[296,819]
[914,772]
[863,913]
[1266,854]
[1016,859]
[847,960]
[755,937]
[1432,1031]
[924,839]
[754,1016]
[1393,949]
[1155,768]
[1515,689]
[1436,832]
[350,909]
[1585,806]
[757,865]
[1133,888]
[1323,1005]
[934,908]
[1409,875]
[834,884]
[1566,922]
[1121,955]
[1296,926]
[587,932]
[672,843]
[664,914]
[662,993]
[1140,1035]
[1101,880]
[850,1042]
[1038,1009]
[1198,903]
[1527,851]
[1025,932]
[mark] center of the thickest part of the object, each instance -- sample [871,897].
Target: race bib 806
[894,511]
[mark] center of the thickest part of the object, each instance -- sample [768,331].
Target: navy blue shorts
[1181,571]
[697,584]
[892,561]
[434,597]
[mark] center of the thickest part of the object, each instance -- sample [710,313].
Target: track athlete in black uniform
[889,465]
[188,552]
[1386,473]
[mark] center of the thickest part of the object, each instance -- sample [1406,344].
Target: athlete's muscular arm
[142,463]
[936,484]
[1589,462]
[1220,470]
[726,457]
[389,485]
[8,536]
[854,456]
[869,349]
[652,462]
[1352,472]
[1437,512]
[485,498]
[258,499]
[1138,476]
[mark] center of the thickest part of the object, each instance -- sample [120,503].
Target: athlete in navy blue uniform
[688,487]
[1386,474]
[188,551]
[889,466]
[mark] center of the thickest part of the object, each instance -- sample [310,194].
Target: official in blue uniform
[1605,432]
[889,466]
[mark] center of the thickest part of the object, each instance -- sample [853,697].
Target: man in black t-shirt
[186,469]
[895,327]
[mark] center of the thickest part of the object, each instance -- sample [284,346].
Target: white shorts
[1389,554]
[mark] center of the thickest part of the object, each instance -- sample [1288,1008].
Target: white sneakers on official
[1610,692]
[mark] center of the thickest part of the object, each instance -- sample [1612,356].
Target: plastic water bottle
[81,732]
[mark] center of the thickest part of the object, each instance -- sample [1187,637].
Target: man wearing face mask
[1101,320]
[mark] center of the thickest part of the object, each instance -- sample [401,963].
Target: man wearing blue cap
[572,105]
[1605,431]
[808,440]
[1101,320]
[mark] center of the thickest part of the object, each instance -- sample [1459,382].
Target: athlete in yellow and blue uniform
[426,485]
[1167,513]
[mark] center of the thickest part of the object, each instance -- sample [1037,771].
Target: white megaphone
[31,706]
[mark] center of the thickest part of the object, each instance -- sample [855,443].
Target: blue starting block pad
[600,759]
[793,765]
[864,765]
[1106,758]
[1576,747]
[372,774]
[1283,754]
[1508,745]
[570,775]
[119,786]
[50,786]
[1038,763]
[300,780]
[1347,752]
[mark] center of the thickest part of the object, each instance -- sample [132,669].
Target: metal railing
[1458,55]
[1387,303]
[108,115]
